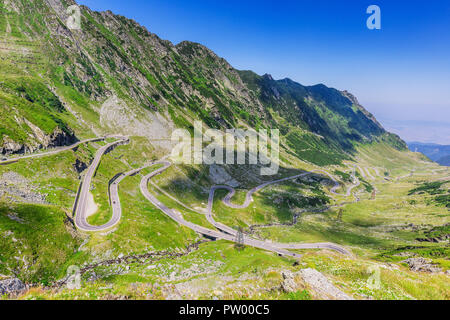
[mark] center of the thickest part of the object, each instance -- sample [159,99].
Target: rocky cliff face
[116,75]
[39,141]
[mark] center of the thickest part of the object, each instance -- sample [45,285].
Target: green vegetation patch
[439,254]
[431,188]
[42,236]
[25,97]
[442,195]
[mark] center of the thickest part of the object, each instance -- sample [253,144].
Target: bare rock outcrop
[422,265]
[17,189]
[9,146]
[321,286]
[289,284]
[57,138]
[12,286]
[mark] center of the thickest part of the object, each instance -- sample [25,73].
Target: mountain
[436,152]
[113,75]
[151,229]
[444,161]
[328,119]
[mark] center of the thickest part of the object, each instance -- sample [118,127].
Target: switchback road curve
[82,197]
[249,196]
[224,232]
[177,217]
[229,234]
[248,200]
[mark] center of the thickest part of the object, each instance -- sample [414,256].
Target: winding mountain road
[377,172]
[177,217]
[49,153]
[227,234]
[371,177]
[249,199]
[249,195]
[81,203]
[223,232]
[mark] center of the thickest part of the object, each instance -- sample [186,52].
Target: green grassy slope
[114,56]
[60,79]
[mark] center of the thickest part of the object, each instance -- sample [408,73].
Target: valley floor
[395,223]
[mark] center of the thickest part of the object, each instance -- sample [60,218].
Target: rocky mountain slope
[114,75]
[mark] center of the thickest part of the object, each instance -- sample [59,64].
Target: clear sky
[400,73]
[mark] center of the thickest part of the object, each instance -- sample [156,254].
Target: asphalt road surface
[229,233]
[177,217]
[249,199]
[224,232]
[49,153]
[82,198]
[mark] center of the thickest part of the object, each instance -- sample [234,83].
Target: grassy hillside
[114,76]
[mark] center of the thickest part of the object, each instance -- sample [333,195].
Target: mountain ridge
[127,79]
[344,183]
[436,152]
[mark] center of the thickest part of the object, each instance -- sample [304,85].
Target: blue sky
[400,73]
